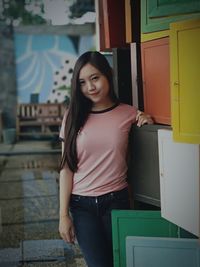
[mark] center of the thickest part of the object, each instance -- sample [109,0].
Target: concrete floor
[29,208]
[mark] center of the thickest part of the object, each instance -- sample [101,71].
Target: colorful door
[128,22]
[185,80]
[179,182]
[165,252]
[158,14]
[137,223]
[112,19]
[156,79]
[144,164]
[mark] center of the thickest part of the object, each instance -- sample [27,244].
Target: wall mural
[44,65]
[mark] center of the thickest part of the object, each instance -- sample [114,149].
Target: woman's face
[95,86]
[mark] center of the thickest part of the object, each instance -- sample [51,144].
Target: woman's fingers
[68,236]
[66,230]
[143,118]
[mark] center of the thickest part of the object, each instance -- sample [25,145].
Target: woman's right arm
[66,227]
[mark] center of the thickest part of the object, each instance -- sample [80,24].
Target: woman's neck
[102,106]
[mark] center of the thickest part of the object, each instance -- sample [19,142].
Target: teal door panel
[156,15]
[165,252]
[163,8]
[137,223]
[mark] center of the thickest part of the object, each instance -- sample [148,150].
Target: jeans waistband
[113,193]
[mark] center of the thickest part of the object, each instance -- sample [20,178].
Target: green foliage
[16,10]
[80,7]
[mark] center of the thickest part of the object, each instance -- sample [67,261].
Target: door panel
[156,79]
[185,80]
[179,165]
[144,164]
[137,223]
[114,23]
[165,252]
[157,15]
[163,8]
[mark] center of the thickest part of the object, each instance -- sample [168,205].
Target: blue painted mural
[44,65]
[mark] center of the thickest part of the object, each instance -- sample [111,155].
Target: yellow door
[185,80]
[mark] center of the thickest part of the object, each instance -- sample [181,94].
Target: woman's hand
[66,229]
[143,118]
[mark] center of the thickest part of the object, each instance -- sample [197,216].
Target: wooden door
[179,165]
[185,80]
[158,14]
[165,252]
[100,28]
[128,22]
[132,20]
[114,31]
[137,223]
[144,164]
[156,79]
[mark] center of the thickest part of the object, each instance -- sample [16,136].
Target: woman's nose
[90,86]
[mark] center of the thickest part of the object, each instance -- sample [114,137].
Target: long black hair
[80,106]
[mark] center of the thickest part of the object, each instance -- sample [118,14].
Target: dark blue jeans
[92,222]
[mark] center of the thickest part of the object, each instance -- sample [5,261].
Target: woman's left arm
[143,118]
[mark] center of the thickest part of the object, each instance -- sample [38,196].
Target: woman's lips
[93,94]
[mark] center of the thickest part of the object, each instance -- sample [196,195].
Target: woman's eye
[95,78]
[81,83]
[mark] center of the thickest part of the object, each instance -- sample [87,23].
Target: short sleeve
[133,113]
[62,129]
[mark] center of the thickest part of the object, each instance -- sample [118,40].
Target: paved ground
[29,207]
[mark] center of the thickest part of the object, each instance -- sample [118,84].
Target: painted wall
[50,18]
[44,65]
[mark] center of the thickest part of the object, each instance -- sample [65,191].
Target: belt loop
[112,195]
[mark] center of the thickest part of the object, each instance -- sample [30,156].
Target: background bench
[1,126]
[39,119]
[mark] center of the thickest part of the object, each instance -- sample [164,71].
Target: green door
[157,14]
[137,223]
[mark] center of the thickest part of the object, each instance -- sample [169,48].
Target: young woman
[93,168]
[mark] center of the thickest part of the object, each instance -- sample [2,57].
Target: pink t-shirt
[102,149]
